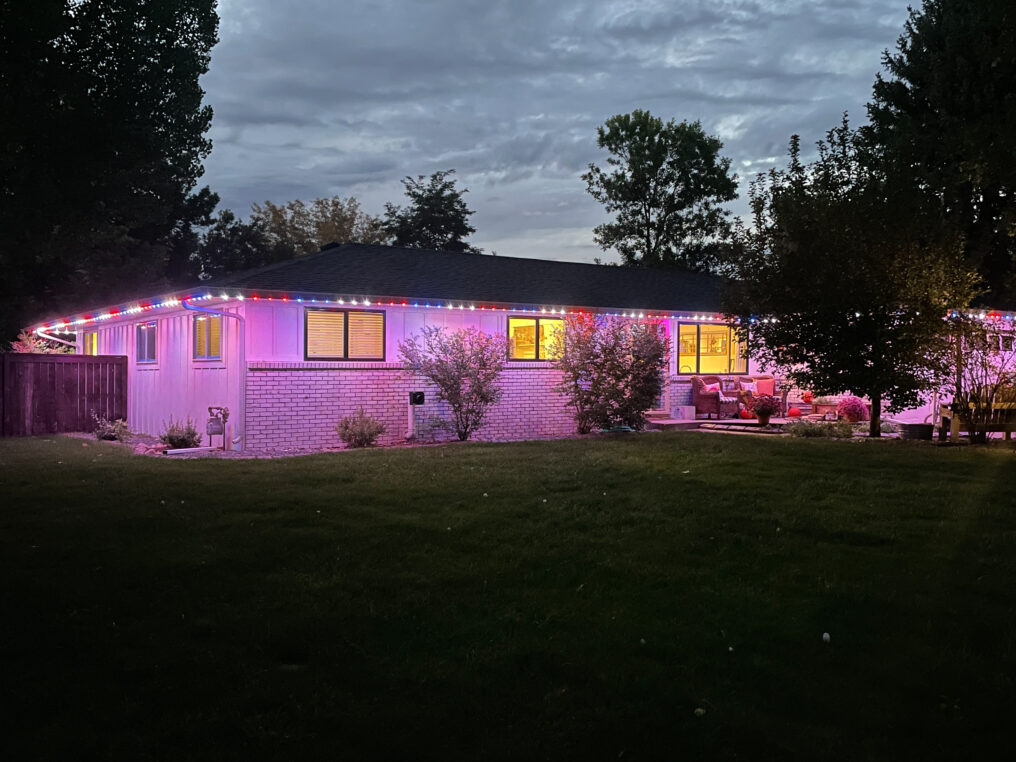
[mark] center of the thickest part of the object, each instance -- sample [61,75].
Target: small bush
[838,430]
[110,430]
[180,435]
[360,430]
[886,427]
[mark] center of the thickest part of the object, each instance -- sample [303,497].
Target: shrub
[110,430]
[811,429]
[852,409]
[360,430]
[612,370]
[465,366]
[180,435]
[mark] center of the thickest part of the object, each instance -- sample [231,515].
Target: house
[293,347]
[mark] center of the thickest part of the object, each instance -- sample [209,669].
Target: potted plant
[764,406]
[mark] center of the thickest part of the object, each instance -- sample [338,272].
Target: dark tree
[665,185]
[231,245]
[946,111]
[101,145]
[846,276]
[437,216]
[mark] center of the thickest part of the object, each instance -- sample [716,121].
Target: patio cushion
[711,387]
[766,386]
[749,387]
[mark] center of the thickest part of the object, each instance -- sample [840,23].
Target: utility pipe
[47,337]
[241,342]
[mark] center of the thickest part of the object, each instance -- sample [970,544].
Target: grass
[554,600]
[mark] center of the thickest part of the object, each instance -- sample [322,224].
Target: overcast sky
[318,97]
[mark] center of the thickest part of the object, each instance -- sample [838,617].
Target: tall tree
[230,245]
[305,228]
[101,145]
[946,111]
[846,276]
[665,183]
[436,218]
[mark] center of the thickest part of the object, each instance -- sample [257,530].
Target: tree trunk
[875,428]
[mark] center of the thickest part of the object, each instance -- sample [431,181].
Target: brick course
[299,404]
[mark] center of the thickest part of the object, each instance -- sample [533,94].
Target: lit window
[90,343]
[207,337]
[345,335]
[535,338]
[712,349]
[147,339]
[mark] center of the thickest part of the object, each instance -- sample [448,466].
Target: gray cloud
[315,98]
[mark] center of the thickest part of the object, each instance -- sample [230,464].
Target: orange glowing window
[207,337]
[535,338]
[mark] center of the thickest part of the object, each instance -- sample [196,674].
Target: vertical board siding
[49,394]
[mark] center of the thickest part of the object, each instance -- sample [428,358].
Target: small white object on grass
[825,637]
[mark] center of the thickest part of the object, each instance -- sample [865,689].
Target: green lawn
[553,600]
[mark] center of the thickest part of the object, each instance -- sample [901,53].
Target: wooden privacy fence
[48,394]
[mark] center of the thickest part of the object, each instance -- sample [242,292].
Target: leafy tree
[845,277]
[305,228]
[946,112]
[231,245]
[611,369]
[465,366]
[665,184]
[101,145]
[436,218]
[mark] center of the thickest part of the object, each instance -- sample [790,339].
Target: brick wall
[680,393]
[298,404]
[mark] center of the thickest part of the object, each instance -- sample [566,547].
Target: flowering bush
[765,404]
[611,370]
[465,365]
[852,409]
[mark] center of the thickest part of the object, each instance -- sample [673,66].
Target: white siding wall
[176,385]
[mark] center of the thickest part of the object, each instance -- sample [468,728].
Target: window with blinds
[91,343]
[207,337]
[147,341]
[345,335]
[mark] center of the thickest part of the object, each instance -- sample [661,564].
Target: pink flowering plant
[765,404]
[852,409]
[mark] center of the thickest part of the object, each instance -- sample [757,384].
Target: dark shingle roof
[385,271]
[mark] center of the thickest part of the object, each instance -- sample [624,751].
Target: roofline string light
[72,324]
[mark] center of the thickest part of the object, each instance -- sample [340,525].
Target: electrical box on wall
[416,398]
